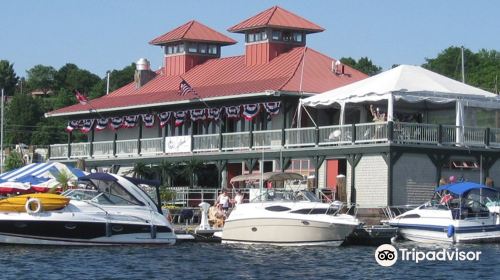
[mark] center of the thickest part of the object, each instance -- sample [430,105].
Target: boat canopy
[462,187]
[268,176]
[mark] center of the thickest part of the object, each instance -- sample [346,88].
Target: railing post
[220,139]
[114,144]
[251,139]
[316,136]
[353,139]
[440,135]
[487,137]
[390,131]
[192,142]
[69,145]
[139,136]
[91,144]
[48,152]
[283,137]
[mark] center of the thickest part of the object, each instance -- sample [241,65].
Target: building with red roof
[231,104]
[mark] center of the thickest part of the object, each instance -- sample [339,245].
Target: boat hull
[283,231]
[436,234]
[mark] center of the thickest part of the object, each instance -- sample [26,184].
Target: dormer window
[297,37]
[192,48]
[202,48]
[256,36]
[212,49]
[276,35]
[173,49]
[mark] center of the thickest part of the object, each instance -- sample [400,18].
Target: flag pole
[1,133]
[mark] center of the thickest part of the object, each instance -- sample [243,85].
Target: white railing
[416,133]
[300,137]
[126,147]
[371,132]
[103,149]
[495,137]
[206,143]
[335,135]
[80,150]
[449,134]
[267,139]
[474,136]
[236,141]
[59,151]
[152,146]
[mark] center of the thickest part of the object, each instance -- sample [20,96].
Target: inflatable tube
[33,202]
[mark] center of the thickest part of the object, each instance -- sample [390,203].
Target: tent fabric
[463,187]
[408,83]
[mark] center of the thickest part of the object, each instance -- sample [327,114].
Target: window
[287,36]
[276,35]
[181,48]
[264,35]
[170,49]
[297,36]
[212,49]
[202,48]
[251,37]
[192,48]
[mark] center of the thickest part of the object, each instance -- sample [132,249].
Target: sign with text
[178,144]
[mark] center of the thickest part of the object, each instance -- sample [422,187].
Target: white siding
[348,182]
[414,179]
[371,181]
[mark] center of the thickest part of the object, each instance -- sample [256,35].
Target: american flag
[185,88]
[81,98]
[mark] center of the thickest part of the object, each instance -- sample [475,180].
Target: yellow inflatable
[33,203]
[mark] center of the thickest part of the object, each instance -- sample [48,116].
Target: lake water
[217,261]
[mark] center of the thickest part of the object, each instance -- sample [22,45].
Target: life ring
[29,203]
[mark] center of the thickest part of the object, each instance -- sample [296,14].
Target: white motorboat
[285,217]
[105,209]
[459,215]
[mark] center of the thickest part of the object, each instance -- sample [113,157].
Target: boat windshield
[102,192]
[286,195]
[488,197]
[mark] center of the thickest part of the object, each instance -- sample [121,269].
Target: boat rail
[391,212]
[293,138]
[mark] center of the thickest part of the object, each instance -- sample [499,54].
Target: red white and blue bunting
[180,117]
[148,120]
[197,114]
[214,113]
[250,111]
[87,125]
[164,118]
[102,123]
[116,123]
[130,121]
[233,112]
[272,108]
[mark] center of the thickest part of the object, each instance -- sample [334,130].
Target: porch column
[342,113]
[459,121]
[390,107]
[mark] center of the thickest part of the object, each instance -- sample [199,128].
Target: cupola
[273,32]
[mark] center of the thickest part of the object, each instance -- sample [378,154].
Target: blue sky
[100,35]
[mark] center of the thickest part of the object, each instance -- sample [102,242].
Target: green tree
[141,170]
[8,77]
[70,77]
[117,79]
[14,160]
[42,78]
[167,171]
[190,170]
[22,114]
[364,65]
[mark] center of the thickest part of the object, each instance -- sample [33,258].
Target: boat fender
[33,202]
[451,231]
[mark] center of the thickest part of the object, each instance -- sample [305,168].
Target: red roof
[277,17]
[225,77]
[193,31]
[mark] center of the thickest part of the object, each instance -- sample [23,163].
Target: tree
[191,169]
[167,171]
[42,78]
[117,79]
[364,65]
[141,170]
[71,78]
[14,160]
[8,77]
[22,114]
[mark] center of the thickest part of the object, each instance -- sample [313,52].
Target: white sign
[178,144]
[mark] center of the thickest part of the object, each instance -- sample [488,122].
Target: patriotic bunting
[250,111]
[148,120]
[130,121]
[116,122]
[197,114]
[164,118]
[233,112]
[214,113]
[272,108]
[102,123]
[72,125]
[87,125]
[180,117]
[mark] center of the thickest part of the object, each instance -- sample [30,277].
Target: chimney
[143,73]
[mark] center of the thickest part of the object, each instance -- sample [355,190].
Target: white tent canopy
[408,83]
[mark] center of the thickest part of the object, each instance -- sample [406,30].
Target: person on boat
[446,198]
[223,200]
[238,199]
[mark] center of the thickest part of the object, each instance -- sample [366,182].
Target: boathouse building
[239,114]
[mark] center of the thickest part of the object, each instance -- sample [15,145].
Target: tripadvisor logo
[387,255]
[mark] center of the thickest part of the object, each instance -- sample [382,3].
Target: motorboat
[457,213]
[105,209]
[283,216]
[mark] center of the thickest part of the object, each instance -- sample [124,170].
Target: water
[217,261]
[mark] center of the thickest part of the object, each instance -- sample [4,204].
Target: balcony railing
[293,138]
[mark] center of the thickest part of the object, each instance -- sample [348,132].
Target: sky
[100,35]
